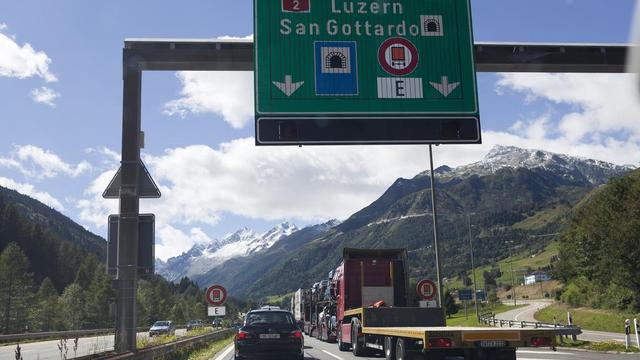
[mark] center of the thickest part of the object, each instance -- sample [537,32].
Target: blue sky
[61,91]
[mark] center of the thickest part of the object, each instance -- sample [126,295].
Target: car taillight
[296,334]
[242,335]
[440,343]
[541,341]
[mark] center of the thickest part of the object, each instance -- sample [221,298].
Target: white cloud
[173,241]
[601,103]
[45,95]
[93,208]
[23,61]
[28,189]
[227,37]
[35,162]
[229,94]
[3,26]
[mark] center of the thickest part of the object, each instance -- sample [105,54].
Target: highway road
[526,314]
[315,349]
[48,350]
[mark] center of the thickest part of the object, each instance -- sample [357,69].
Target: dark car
[269,332]
[194,324]
[162,328]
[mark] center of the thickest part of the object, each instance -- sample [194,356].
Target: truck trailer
[370,290]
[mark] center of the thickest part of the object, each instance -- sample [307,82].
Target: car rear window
[269,318]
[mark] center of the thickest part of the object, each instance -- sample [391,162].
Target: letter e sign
[296,6]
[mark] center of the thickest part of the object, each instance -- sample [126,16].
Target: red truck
[370,293]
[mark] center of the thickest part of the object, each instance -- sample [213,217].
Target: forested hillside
[48,282]
[600,252]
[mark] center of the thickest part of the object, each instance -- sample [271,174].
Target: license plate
[269,336]
[492,343]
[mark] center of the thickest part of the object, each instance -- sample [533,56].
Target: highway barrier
[72,334]
[164,350]
[561,329]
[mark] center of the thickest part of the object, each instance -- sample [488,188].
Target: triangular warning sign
[147,188]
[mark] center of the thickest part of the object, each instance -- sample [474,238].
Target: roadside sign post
[465,295]
[216,296]
[329,72]
[627,333]
[427,290]
[636,325]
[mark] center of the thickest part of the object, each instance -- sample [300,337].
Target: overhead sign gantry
[357,72]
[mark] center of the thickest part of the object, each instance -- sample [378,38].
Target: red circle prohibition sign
[216,295]
[396,62]
[427,289]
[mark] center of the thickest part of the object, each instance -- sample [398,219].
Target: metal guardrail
[160,351]
[71,334]
[561,329]
[55,334]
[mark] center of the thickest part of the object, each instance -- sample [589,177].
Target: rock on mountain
[203,257]
[571,168]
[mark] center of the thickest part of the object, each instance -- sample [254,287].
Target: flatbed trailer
[391,331]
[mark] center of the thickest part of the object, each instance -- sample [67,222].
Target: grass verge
[599,346]
[460,320]
[588,319]
[211,350]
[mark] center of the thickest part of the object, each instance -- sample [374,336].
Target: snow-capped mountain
[572,168]
[203,257]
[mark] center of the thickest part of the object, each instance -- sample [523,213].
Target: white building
[535,277]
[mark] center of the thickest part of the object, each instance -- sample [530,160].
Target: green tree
[16,289]
[601,247]
[99,296]
[73,305]
[46,314]
[449,303]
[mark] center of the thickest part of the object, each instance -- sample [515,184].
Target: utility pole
[513,285]
[473,270]
[435,227]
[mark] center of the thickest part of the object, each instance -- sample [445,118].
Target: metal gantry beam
[234,55]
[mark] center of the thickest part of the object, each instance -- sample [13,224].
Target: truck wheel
[389,348]
[341,346]
[401,349]
[356,347]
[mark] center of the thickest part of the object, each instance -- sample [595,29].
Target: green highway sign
[369,71]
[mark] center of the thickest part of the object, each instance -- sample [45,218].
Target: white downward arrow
[288,87]
[444,87]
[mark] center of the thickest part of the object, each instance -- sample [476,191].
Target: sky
[61,113]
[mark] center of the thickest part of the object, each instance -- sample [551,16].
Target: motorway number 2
[295,5]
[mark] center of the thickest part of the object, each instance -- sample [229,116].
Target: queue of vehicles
[363,305]
[167,327]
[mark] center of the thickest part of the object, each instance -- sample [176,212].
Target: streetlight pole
[473,269]
[435,227]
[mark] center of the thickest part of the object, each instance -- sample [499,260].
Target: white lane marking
[544,352]
[522,312]
[225,353]
[333,356]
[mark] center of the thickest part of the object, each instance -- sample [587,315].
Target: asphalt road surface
[48,350]
[315,349]
[526,314]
